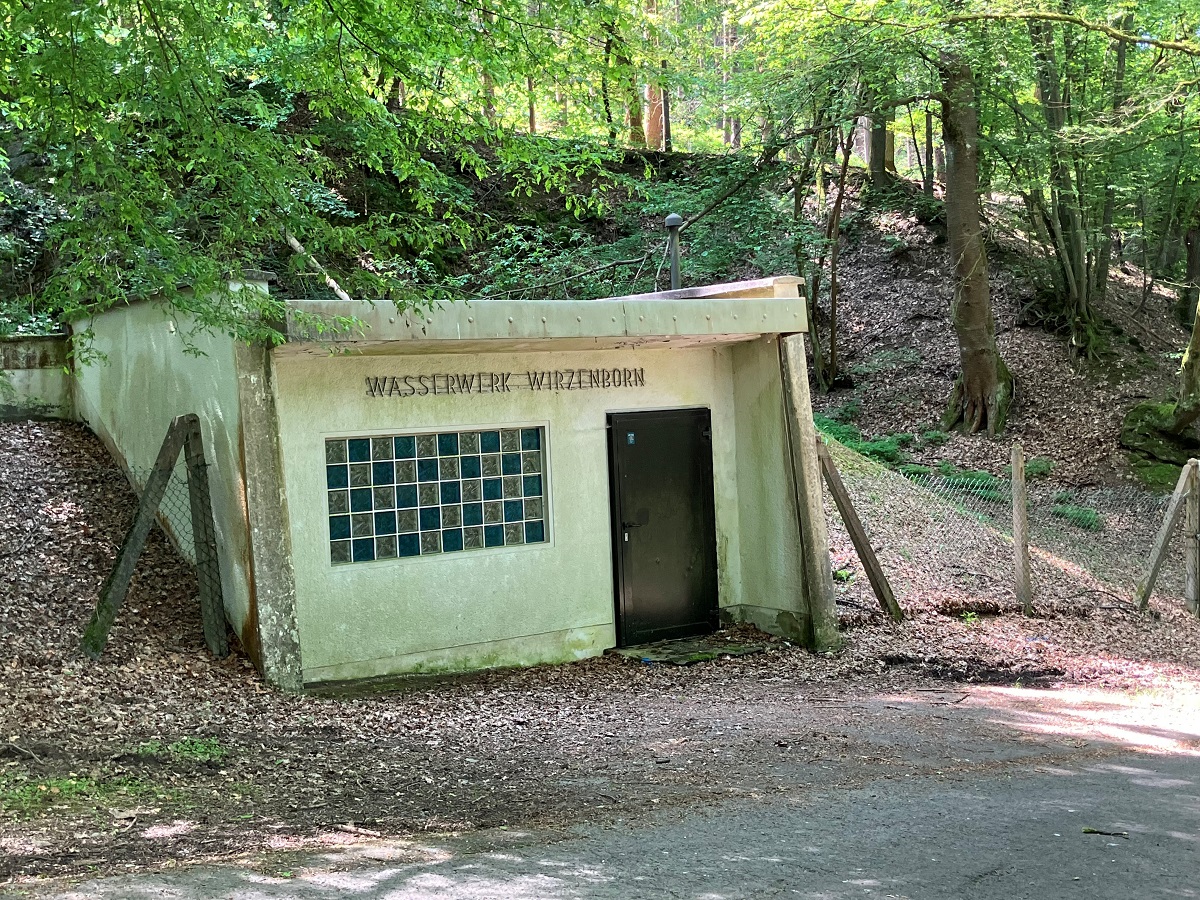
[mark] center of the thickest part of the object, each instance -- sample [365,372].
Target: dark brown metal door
[663,524]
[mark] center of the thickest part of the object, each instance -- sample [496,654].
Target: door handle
[631,525]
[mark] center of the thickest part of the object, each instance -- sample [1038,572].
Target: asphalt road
[1018,833]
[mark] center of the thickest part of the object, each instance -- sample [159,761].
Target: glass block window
[442,492]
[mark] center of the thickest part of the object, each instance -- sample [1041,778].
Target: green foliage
[887,449]
[23,794]
[983,485]
[547,252]
[912,470]
[934,437]
[195,749]
[847,412]
[1038,467]
[1080,516]
[970,618]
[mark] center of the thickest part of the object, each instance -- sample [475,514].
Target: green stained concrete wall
[516,605]
[772,574]
[34,380]
[145,379]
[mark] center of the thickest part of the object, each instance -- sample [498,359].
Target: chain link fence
[174,495]
[175,511]
[945,539]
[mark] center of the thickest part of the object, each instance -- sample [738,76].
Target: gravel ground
[158,753]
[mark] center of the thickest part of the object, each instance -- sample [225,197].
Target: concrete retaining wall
[153,367]
[35,381]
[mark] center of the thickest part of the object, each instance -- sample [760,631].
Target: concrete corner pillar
[272,620]
[806,480]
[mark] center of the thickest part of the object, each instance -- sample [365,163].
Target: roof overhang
[716,314]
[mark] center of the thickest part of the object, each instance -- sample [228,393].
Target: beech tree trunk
[877,151]
[927,179]
[633,97]
[654,97]
[1187,407]
[983,390]
[1104,254]
[1189,295]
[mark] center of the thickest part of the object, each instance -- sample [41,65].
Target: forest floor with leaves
[896,343]
[158,755]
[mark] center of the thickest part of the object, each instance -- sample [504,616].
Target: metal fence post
[674,223]
[1020,523]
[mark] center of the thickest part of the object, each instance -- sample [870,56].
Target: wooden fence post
[184,430]
[1020,530]
[204,537]
[1185,487]
[858,536]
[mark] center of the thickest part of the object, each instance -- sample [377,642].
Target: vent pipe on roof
[674,222]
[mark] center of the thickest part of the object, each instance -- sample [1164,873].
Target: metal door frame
[621,588]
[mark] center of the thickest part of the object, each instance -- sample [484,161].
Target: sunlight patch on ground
[1157,722]
[178,827]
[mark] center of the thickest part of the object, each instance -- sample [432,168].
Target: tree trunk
[877,151]
[927,179]
[604,93]
[633,97]
[564,113]
[1189,294]
[1187,408]
[654,97]
[532,104]
[654,117]
[489,99]
[1104,253]
[1067,217]
[834,236]
[666,111]
[983,391]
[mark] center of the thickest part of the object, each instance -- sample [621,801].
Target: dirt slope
[899,348]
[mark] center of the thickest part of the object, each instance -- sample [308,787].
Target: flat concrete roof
[723,313]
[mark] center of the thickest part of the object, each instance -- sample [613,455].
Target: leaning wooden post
[1191,584]
[112,593]
[1158,552]
[204,537]
[858,536]
[1020,529]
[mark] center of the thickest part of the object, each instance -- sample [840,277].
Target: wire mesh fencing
[945,538]
[174,515]
[174,494]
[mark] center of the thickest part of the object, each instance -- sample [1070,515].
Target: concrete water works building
[490,484]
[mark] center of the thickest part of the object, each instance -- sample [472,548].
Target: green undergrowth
[196,749]
[1080,516]
[25,795]
[535,251]
[975,482]
[1068,509]
[893,452]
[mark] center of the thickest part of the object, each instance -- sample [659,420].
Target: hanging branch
[316,267]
